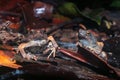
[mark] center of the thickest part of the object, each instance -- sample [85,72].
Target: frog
[90,42]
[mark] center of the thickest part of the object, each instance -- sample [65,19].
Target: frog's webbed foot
[29,56]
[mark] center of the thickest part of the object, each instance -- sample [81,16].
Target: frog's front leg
[52,46]
[22,46]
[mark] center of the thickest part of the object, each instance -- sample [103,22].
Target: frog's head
[82,34]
